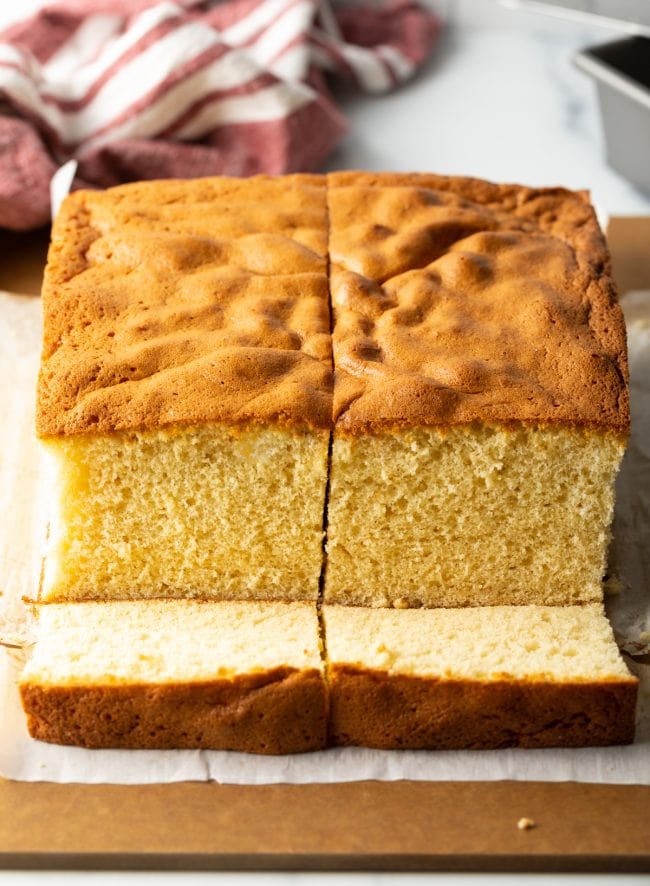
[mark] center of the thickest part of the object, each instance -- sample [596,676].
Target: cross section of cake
[177,674]
[185,390]
[480,398]
[476,677]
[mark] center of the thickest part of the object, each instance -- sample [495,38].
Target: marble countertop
[500,99]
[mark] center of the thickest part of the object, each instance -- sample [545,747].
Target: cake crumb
[525,824]
[401,603]
[613,585]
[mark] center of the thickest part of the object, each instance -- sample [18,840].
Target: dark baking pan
[621,70]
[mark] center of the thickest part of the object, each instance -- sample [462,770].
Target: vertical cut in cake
[177,674]
[185,390]
[480,677]
[480,394]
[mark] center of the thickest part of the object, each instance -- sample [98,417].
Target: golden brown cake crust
[457,301]
[381,710]
[186,302]
[279,712]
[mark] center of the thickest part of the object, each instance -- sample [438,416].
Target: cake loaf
[453,431]
[185,390]
[476,677]
[177,674]
[480,399]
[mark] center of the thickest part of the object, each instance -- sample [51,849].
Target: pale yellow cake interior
[210,512]
[469,516]
[169,641]
[561,643]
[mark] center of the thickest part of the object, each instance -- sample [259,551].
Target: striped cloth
[148,89]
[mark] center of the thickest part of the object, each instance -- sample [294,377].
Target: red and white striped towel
[148,89]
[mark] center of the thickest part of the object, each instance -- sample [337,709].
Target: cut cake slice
[249,676]
[480,397]
[177,674]
[185,390]
[480,677]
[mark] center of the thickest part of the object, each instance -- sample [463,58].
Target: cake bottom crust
[278,712]
[388,711]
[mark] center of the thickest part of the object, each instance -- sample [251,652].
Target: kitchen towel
[137,89]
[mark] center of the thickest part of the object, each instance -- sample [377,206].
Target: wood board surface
[406,826]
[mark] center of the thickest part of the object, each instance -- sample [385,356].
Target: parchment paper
[21,539]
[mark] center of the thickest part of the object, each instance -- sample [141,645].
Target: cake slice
[177,674]
[185,390]
[480,397]
[482,677]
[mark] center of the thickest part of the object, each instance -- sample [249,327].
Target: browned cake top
[456,301]
[182,302]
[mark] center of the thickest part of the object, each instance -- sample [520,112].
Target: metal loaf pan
[621,70]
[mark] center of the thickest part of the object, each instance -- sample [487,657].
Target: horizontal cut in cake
[185,390]
[177,674]
[480,396]
[482,677]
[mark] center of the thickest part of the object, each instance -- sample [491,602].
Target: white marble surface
[500,99]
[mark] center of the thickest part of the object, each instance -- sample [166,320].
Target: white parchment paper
[21,531]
